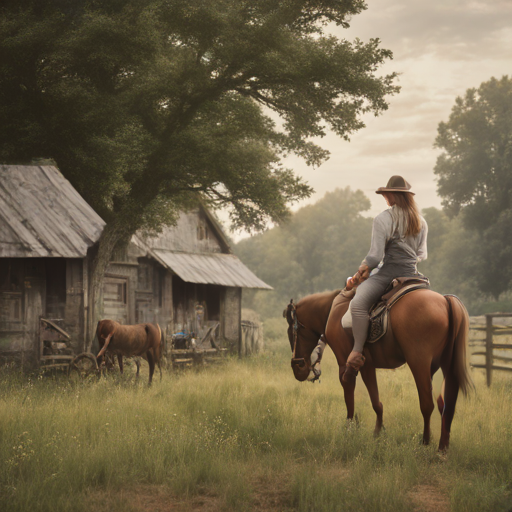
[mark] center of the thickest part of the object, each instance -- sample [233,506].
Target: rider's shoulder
[384,217]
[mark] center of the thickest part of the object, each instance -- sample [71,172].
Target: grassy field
[245,436]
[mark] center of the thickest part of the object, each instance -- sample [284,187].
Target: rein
[296,326]
[320,346]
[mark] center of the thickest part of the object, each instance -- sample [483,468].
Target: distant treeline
[323,244]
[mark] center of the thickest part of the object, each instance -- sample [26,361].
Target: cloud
[452,30]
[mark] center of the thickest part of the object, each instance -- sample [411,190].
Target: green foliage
[142,103]
[453,257]
[316,250]
[475,175]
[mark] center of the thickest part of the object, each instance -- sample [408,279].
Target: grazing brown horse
[427,331]
[144,340]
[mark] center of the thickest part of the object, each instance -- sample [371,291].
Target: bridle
[300,362]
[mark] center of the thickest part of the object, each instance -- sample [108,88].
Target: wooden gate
[492,330]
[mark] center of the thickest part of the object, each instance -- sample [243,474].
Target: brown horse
[144,340]
[427,331]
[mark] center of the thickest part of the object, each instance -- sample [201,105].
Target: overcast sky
[440,48]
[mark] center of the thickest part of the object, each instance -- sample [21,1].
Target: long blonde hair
[407,204]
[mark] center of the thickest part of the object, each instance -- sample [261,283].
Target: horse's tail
[459,321]
[455,366]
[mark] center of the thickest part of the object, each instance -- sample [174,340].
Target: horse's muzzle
[300,368]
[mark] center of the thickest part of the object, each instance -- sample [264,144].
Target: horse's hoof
[378,431]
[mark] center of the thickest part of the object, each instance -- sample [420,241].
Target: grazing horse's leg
[370,379]
[151,363]
[421,373]
[120,361]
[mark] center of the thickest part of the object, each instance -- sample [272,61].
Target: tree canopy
[139,101]
[146,104]
[475,175]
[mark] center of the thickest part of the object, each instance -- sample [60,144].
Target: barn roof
[42,215]
[210,268]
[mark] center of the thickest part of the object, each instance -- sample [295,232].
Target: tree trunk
[113,233]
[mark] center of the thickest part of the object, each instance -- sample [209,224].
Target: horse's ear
[286,311]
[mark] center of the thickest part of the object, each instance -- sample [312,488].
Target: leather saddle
[379,312]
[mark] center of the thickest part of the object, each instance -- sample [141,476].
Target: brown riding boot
[354,361]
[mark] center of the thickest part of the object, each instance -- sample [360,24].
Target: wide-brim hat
[396,184]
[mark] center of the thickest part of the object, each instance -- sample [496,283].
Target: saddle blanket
[379,312]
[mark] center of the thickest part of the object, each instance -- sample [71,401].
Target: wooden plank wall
[231,316]
[192,233]
[74,306]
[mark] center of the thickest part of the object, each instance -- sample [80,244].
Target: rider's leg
[366,295]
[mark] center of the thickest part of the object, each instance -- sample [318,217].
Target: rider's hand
[364,271]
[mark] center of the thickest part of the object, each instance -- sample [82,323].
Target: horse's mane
[320,297]
[317,304]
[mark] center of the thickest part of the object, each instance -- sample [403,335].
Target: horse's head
[302,340]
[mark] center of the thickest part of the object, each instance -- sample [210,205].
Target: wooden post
[488,349]
[85,298]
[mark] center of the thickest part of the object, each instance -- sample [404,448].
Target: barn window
[115,292]
[10,307]
[202,232]
[11,295]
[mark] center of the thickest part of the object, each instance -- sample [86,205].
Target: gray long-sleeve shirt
[383,230]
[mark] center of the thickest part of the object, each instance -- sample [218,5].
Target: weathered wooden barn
[46,229]
[185,279]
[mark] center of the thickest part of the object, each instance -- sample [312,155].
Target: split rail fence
[491,331]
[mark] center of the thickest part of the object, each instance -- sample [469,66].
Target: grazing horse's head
[306,323]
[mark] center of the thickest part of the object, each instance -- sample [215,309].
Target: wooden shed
[186,279]
[46,229]
[204,279]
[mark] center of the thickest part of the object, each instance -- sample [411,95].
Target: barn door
[143,308]
[115,299]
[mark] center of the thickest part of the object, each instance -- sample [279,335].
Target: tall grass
[245,436]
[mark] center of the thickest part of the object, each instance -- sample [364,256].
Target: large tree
[475,175]
[143,104]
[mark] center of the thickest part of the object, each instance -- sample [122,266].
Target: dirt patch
[270,496]
[148,498]
[266,497]
[427,498]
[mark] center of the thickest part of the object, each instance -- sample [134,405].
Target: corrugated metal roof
[210,268]
[42,215]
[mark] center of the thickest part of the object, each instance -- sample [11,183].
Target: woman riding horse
[427,330]
[399,242]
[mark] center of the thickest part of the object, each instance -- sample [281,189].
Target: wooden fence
[491,331]
[252,338]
